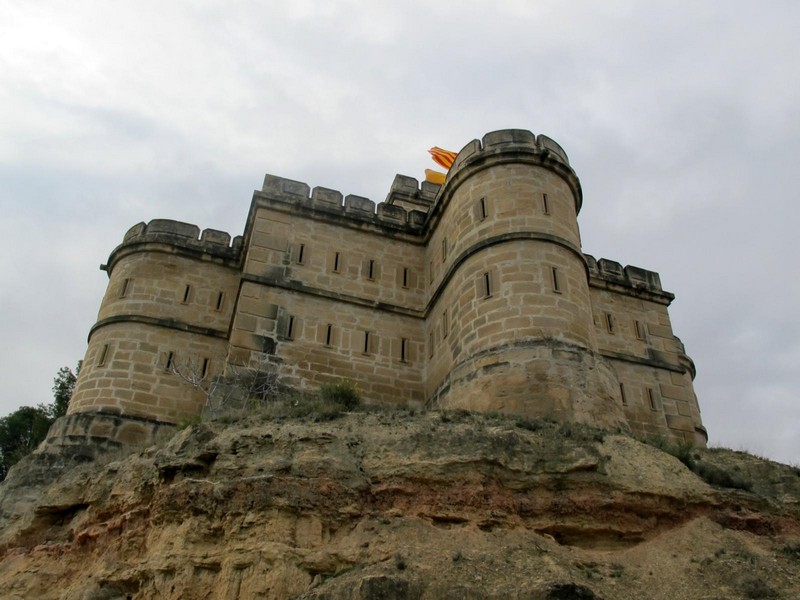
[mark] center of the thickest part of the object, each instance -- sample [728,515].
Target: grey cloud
[680,118]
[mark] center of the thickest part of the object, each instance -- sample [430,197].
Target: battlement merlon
[407,190]
[324,204]
[176,237]
[630,280]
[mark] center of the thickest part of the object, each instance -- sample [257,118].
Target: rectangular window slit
[609,323]
[336,260]
[430,273]
[371,269]
[444,324]
[124,290]
[290,328]
[329,335]
[430,344]
[204,370]
[405,277]
[651,396]
[186,293]
[444,249]
[220,298]
[366,342]
[103,355]
[622,394]
[639,329]
[170,360]
[556,282]
[301,253]
[487,285]
[482,207]
[545,205]
[403,349]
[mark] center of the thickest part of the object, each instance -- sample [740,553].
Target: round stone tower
[510,322]
[163,321]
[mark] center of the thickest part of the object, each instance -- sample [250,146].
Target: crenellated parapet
[629,280]
[514,146]
[180,237]
[325,203]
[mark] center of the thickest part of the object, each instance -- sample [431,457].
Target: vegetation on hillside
[26,427]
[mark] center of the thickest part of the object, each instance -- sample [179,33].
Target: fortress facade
[474,294]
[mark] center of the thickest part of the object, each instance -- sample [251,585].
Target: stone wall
[475,294]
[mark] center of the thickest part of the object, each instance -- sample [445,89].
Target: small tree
[241,387]
[63,387]
[26,427]
[20,433]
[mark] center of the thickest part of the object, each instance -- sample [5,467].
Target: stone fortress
[474,294]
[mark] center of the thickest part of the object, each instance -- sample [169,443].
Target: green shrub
[711,474]
[756,588]
[189,422]
[343,393]
[719,477]
[580,432]
[792,551]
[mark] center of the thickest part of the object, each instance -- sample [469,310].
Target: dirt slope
[395,505]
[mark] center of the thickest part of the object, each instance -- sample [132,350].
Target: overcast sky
[682,120]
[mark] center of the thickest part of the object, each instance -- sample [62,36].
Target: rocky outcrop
[396,505]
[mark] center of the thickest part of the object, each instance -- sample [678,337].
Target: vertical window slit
[487,285]
[371,269]
[403,349]
[639,329]
[430,344]
[103,355]
[444,249]
[651,396]
[482,207]
[290,328]
[336,260]
[444,324]
[609,323]
[430,273]
[622,394]
[186,293]
[170,360]
[366,342]
[545,205]
[124,290]
[301,253]
[328,335]
[220,298]
[204,370]
[405,277]
[556,281]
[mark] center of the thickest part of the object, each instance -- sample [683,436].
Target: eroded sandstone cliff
[396,505]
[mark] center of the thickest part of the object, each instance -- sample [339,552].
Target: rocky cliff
[396,505]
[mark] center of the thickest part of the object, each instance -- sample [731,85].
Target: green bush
[343,393]
[792,551]
[719,477]
[756,588]
[711,474]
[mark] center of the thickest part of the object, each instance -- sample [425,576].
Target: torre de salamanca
[474,294]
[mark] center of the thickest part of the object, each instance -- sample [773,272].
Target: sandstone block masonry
[474,294]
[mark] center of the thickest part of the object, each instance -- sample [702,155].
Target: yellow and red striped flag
[443,157]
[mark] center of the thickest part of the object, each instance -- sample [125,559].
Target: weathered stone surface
[395,505]
[442,295]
